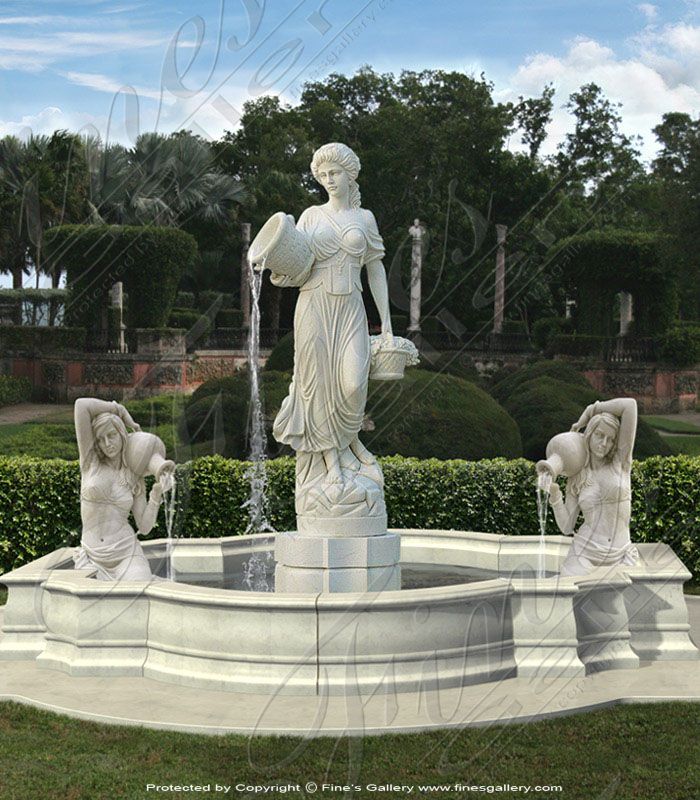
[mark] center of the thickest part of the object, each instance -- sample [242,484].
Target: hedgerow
[14,390]
[39,500]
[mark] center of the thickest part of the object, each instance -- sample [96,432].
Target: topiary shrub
[217,412]
[437,415]
[458,364]
[509,386]
[546,398]
[14,390]
[281,359]
[680,346]
[600,263]
[148,259]
[184,300]
[42,339]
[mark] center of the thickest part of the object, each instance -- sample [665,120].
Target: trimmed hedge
[149,261]
[680,346]
[39,501]
[40,338]
[14,390]
[600,263]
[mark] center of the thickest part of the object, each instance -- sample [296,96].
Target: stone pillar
[625,312]
[499,301]
[245,285]
[118,328]
[416,231]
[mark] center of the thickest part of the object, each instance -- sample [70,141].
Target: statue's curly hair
[338,153]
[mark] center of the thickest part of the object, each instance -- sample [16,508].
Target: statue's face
[109,441]
[602,440]
[334,179]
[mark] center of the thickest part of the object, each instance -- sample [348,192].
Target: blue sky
[63,64]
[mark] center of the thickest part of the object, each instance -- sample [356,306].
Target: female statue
[110,490]
[322,415]
[601,490]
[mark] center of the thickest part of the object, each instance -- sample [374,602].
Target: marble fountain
[343,607]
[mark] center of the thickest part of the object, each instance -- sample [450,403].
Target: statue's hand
[126,418]
[555,495]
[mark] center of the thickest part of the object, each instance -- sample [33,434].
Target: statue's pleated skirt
[326,401]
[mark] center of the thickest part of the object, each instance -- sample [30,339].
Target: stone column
[416,231]
[625,312]
[245,285]
[116,302]
[499,300]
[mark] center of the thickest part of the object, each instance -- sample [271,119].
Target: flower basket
[390,357]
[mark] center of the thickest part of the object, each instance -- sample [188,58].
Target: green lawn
[627,753]
[671,425]
[687,444]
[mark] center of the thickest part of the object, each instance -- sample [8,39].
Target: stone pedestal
[313,563]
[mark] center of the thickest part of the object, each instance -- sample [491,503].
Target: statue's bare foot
[362,454]
[334,474]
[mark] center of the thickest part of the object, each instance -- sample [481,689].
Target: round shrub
[545,406]
[509,386]
[460,365]
[437,415]
[281,359]
[217,412]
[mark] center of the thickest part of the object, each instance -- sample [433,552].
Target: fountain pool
[470,610]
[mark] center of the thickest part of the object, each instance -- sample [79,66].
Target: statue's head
[110,435]
[601,435]
[336,168]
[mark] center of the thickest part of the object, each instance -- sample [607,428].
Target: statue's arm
[376,277]
[626,409]
[84,411]
[146,513]
[566,513]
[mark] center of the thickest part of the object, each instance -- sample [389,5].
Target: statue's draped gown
[326,401]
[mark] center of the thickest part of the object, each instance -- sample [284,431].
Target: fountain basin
[494,622]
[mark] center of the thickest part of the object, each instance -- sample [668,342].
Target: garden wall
[656,390]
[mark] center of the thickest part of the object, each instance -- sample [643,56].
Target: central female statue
[322,415]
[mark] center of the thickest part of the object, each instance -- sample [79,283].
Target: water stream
[170,506]
[544,484]
[259,564]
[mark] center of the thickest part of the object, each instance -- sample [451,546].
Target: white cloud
[650,11]
[103,83]
[648,85]
[34,52]
[51,119]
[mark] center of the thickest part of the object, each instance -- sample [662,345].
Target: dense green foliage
[217,412]
[14,390]
[39,500]
[547,397]
[429,414]
[600,263]
[281,359]
[50,755]
[27,339]
[149,261]
[681,346]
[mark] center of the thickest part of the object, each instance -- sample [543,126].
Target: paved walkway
[29,412]
[152,704]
